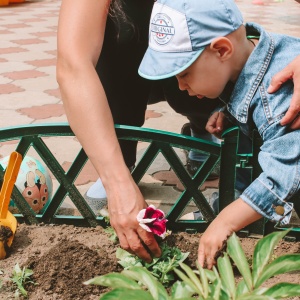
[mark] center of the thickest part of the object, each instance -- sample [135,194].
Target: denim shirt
[253,108]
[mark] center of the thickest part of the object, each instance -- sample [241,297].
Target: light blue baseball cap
[180,30]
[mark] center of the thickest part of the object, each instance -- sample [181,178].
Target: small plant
[112,234]
[161,267]
[109,230]
[21,277]
[137,283]
[1,281]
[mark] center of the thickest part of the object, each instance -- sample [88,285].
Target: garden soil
[63,257]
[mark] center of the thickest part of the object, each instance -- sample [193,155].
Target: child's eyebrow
[181,75]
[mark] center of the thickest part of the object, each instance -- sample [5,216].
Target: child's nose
[181,84]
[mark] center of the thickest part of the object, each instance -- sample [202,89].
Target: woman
[94,100]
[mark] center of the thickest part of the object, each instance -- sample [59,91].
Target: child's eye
[181,76]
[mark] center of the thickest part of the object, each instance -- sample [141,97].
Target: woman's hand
[124,203]
[291,71]
[216,123]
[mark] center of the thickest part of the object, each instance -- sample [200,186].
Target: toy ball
[33,181]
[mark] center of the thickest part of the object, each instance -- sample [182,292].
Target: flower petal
[145,221]
[145,227]
[141,214]
[155,220]
[152,212]
[158,227]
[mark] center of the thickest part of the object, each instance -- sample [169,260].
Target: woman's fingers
[131,242]
[291,71]
[296,122]
[149,241]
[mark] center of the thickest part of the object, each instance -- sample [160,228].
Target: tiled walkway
[29,92]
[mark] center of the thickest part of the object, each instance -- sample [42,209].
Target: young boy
[206,46]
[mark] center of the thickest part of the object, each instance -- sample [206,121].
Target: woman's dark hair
[117,13]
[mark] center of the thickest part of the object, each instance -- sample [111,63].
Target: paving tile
[28,98]
[54,92]
[52,120]
[15,26]
[42,62]
[88,173]
[10,88]
[43,111]
[11,118]
[4,80]
[8,65]
[28,41]
[152,114]
[45,34]
[170,178]
[38,84]
[24,74]
[52,52]
[32,20]
[11,50]
[5,32]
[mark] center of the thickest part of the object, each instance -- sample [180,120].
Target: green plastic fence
[159,142]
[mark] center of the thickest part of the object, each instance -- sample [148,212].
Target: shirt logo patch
[162,29]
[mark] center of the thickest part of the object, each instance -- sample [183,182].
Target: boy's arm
[232,218]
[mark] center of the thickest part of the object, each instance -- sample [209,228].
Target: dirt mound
[63,257]
[63,269]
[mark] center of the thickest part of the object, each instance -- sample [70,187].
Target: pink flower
[153,220]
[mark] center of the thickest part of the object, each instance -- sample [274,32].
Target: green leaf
[183,257]
[197,288]
[211,276]
[226,274]
[17,269]
[204,279]
[126,259]
[114,280]
[122,254]
[241,288]
[181,290]
[263,252]
[122,294]
[256,297]
[144,276]
[283,290]
[216,286]
[190,273]
[235,251]
[282,264]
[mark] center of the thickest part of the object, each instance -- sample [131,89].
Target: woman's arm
[292,71]
[80,37]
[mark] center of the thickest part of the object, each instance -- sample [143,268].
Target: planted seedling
[21,277]
[161,267]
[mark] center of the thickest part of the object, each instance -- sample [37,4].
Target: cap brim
[160,65]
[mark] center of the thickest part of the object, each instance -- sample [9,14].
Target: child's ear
[223,47]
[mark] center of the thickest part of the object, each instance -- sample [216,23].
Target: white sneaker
[96,198]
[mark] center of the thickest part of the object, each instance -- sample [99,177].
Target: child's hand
[232,218]
[212,243]
[215,124]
